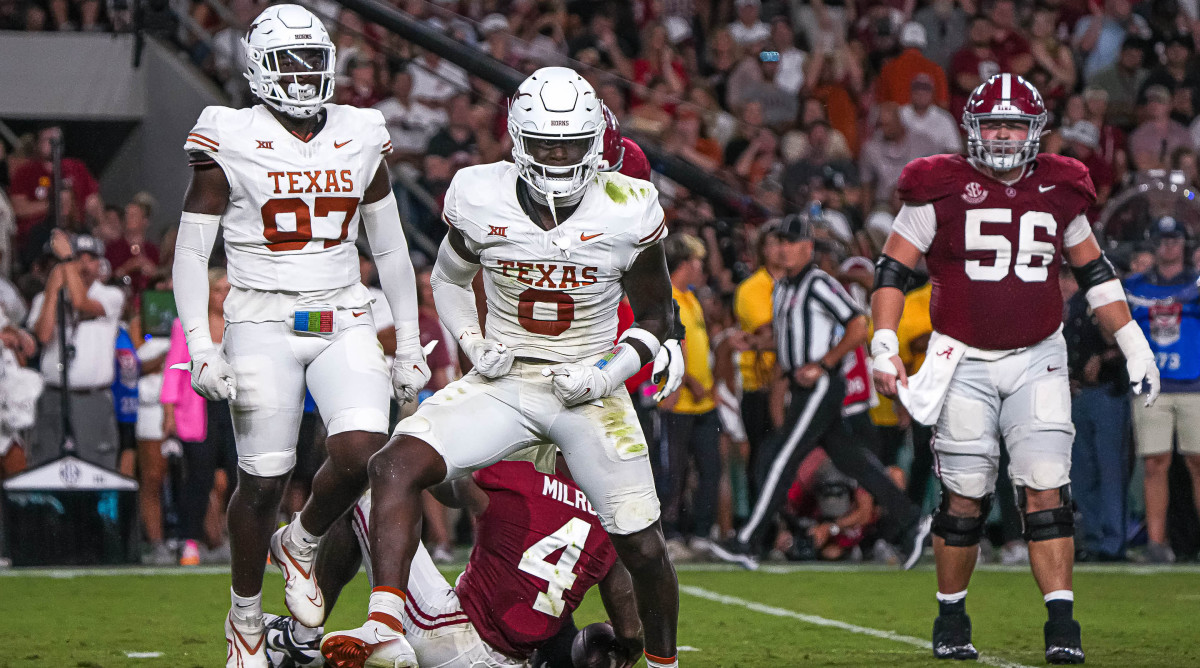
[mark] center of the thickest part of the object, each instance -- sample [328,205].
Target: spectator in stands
[824,22]
[1008,42]
[921,116]
[689,416]
[93,312]
[686,140]
[498,40]
[749,30]
[133,257]
[1122,81]
[458,142]
[1174,74]
[1112,138]
[1082,142]
[1152,143]
[791,59]
[657,62]
[973,64]
[360,87]
[1051,55]
[898,74]
[946,26]
[724,55]
[887,152]
[753,308]
[1165,303]
[111,225]
[837,80]
[30,192]
[435,80]
[1100,412]
[1101,35]
[410,123]
[755,80]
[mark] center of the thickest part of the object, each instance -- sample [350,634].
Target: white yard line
[143,655]
[816,620]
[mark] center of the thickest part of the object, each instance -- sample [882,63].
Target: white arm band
[1105,293]
[396,276]
[452,293]
[624,360]
[189,275]
[885,342]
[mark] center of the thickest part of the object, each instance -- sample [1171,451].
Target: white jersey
[292,218]
[553,294]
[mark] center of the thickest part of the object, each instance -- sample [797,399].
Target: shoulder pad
[1071,173]
[930,179]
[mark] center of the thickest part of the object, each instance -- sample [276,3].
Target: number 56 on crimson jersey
[293,215]
[994,250]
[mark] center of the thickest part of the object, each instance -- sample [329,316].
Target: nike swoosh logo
[1053,368]
[358,314]
[337,145]
[192,330]
[416,367]
[1046,189]
[202,367]
[319,601]
[589,237]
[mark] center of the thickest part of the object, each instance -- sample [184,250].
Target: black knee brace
[960,531]
[1048,524]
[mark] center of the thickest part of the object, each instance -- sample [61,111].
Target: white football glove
[1139,361]
[410,373]
[576,384]
[212,376]
[668,368]
[491,359]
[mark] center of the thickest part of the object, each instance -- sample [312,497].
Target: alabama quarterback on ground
[559,243]
[289,180]
[994,228]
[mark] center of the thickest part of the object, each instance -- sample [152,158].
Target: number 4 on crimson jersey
[293,215]
[994,250]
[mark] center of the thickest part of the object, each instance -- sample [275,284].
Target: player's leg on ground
[960,521]
[655,585]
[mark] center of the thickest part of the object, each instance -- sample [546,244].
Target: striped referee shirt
[811,310]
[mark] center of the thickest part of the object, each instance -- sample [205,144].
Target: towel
[926,391]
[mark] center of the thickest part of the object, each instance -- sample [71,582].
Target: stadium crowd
[809,108]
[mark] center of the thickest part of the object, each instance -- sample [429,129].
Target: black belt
[534,360]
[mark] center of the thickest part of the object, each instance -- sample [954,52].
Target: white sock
[299,539]
[387,607]
[951,598]
[303,634]
[660,662]
[1060,595]
[246,611]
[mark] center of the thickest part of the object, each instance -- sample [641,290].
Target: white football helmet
[285,43]
[556,104]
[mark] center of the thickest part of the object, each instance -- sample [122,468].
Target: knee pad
[629,511]
[960,531]
[267,464]
[1051,523]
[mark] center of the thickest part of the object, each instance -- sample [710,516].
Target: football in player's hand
[595,646]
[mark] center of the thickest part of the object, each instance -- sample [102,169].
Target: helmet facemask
[1003,155]
[294,79]
[557,168]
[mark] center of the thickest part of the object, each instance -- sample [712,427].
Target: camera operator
[93,317]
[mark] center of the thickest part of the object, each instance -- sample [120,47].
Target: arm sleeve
[193,244]
[452,293]
[917,224]
[396,276]
[1077,232]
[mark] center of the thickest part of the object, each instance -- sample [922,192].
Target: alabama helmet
[556,103]
[1004,97]
[285,43]
[613,153]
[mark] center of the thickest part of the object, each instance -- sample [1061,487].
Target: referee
[816,325]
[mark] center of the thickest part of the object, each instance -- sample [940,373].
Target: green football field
[778,617]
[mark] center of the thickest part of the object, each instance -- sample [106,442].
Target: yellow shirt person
[753,306]
[695,355]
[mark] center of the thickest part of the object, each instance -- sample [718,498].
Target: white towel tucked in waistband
[926,391]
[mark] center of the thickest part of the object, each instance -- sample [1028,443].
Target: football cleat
[734,552]
[1063,642]
[373,645]
[245,650]
[301,593]
[952,638]
[284,651]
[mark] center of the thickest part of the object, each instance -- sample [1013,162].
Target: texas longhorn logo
[974,193]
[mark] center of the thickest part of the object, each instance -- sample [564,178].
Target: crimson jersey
[539,548]
[636,165]
[996,249]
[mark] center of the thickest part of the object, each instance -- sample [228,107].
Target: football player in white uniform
[559,243]
[289,181]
